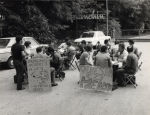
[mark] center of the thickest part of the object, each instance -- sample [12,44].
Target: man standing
[18,54]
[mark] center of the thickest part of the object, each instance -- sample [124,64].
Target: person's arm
[61,46]
[116,54]
[124,58]
[87,59]
[26,53]
[137,52]
[109,62]
[23,51]
[128,62]
[94,60]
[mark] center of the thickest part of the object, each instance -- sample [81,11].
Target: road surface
[68,99]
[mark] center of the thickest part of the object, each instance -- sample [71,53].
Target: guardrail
[136,40]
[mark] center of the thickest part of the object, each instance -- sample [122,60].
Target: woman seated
[85,56]
[103,58]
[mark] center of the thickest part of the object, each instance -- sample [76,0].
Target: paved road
[68,99]
[141,37]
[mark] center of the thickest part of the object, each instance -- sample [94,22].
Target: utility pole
[107,15]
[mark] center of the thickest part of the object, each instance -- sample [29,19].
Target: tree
[13,22]
[37,24]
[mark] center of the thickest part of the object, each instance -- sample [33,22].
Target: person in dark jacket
[18,54]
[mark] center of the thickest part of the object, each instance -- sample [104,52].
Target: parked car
[92,37]
[5,48]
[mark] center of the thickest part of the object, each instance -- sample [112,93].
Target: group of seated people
[112,56]
[104,56]
[58,61]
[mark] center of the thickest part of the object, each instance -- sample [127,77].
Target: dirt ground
[68,99]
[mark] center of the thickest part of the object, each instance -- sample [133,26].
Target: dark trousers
[52,75]
[20,69]
[120,76]
[115,68]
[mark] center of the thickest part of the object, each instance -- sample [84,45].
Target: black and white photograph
[74,57]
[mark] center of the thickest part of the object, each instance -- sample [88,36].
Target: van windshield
[87,35]
[4,42]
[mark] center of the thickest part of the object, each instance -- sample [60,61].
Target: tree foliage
[54,19]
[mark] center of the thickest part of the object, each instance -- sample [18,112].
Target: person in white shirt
[63,47]
[28,53]
[121,54]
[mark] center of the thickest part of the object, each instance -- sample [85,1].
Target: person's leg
[66,63]
[16,68]
[20,69]
[53,76]
[115,68]
[120,76]
[25,79]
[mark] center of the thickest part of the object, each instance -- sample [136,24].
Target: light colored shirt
[63,46]
[28,51]
[85,59]
[122,56]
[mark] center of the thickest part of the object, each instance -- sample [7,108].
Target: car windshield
[4,42]
[87,35]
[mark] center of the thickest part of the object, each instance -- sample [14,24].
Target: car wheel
[10,63]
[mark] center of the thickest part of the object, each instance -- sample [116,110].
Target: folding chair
[72,61]
[77,65]
[130,78]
